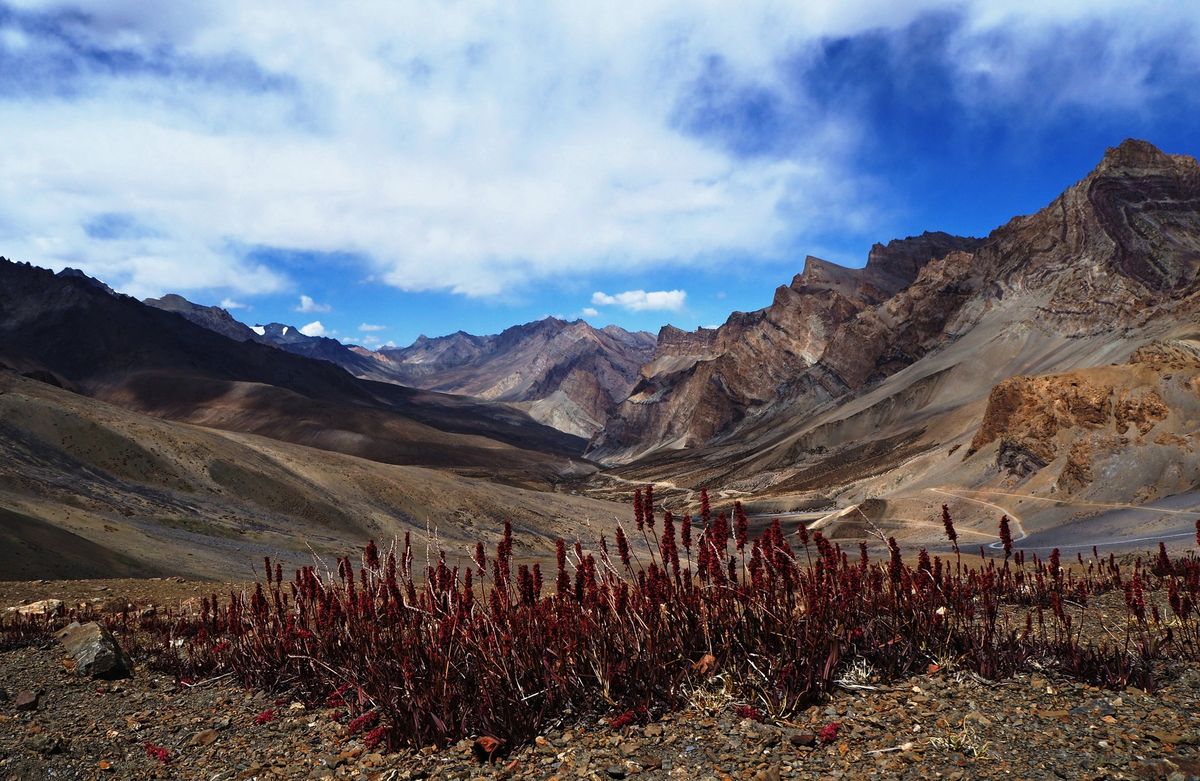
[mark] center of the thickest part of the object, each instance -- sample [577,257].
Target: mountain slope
[214,318]
[700,384]
[569,376]
[115,348]
[901,388]
[91,489]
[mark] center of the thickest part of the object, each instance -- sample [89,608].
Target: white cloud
[374,342]
[229,303]
[314,329]
[369,327]
[466,146]
[308,305]
[590,312]
[642,301]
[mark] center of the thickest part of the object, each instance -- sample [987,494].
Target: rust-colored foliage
[155,751]
[418,656]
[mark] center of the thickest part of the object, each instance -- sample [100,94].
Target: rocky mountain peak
[74,273]
[895,265]
[214,318]
[821,274]
[1136,154]
[1118,248]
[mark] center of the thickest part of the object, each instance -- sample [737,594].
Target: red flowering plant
[418,655]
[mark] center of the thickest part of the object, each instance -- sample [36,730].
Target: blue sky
[424,167]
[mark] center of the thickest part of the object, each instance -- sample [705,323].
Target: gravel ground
[945,724]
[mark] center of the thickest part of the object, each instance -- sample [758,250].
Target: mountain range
[1053,363]
[567,375]
[1050,370]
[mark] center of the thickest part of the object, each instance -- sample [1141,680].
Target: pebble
[805,739]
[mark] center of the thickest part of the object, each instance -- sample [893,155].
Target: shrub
[427,657]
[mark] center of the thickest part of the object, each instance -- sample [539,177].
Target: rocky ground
[942,724]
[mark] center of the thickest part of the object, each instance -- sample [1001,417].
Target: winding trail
[1107,505]
[690,493]
[1011,516]
[1058,537]
[1117,516]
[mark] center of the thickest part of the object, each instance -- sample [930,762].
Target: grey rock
[94,650]
[44,744]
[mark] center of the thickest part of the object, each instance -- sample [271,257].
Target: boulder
[42,608]
[94,650]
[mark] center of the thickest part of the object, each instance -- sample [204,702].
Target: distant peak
[75,273]
[669,330]
[818,273]
[1135,153]
[174,298]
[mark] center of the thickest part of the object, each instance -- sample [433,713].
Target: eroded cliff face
[1115,252]
[1070,424]
[699,385]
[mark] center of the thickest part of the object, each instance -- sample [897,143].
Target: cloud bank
[641,301]
[308,305]
[482,148]
[314,328]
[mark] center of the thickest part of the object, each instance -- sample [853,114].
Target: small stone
[1100,708]
[44,744]
[1175,738]
[804,739]
[615,771]
[768,774]
[652,731]
[204,737]
[26,700]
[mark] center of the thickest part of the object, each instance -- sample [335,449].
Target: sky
[375,171]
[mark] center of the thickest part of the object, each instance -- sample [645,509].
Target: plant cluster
[412,656]
[23,631]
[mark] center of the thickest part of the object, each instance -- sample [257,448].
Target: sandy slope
[125,494]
